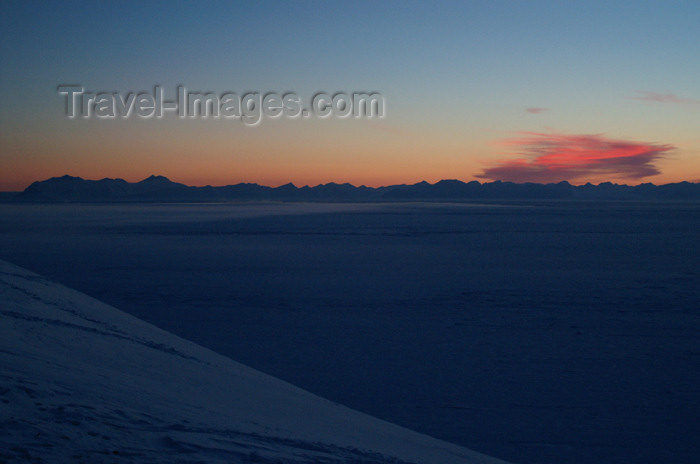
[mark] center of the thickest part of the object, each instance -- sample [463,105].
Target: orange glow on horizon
[364,157]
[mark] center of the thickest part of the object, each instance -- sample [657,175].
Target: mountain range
[162,189]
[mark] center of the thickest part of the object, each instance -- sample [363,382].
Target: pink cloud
[665,98]
[536,110]
[555,157]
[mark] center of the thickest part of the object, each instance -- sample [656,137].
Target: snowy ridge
[81,381]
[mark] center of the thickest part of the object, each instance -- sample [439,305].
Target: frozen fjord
[541,332]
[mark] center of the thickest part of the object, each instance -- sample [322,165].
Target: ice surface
[540,333]
[84,382]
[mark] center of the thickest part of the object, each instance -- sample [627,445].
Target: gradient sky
[524,91]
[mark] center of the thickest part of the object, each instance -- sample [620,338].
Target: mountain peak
[154,178]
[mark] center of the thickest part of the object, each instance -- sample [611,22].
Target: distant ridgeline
[161,189]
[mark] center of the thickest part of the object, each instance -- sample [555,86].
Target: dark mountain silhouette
[161,189]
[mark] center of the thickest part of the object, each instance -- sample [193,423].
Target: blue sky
[458,78]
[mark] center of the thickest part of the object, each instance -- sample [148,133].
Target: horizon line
[158,176]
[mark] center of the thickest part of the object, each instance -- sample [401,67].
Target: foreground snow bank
[81,381]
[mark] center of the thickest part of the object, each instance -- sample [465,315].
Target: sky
[537,91]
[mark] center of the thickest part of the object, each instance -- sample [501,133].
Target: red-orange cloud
[554,157]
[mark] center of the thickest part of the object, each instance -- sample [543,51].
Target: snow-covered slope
[81,381]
